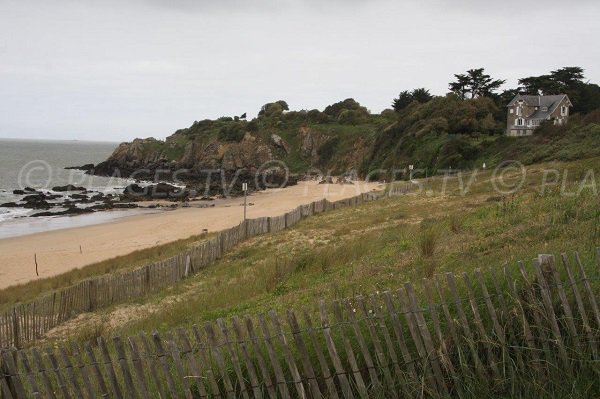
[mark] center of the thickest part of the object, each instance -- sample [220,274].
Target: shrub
[232,132]
[428,241]
[353,116]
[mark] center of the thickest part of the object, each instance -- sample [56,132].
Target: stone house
[527,112]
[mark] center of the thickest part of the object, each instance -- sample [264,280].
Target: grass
[379,246]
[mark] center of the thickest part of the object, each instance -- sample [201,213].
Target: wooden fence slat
[287,354]
[176,356]
[108,366]
[465,325]
[96,372]
[13,374]
[162,360]
[125,371]
[304,357]
[537,267]
[356,373]
[588,288]
[411,322]
[219,359]
[484,339]
[79,364]
[333,353]
[41,368]
[266,376]
[186,347]
[279,376]
[234,357]
[397,326]
[331,388]
[564,302]
[379,354]
[399,376]
[31,378]
[255,385]
[580,307]
[152,364]
[62,386]
[445,359]
[216,392]
[138,369]
[427,340]
[5,392]
[70,371]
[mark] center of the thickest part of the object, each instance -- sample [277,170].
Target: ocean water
[41,165]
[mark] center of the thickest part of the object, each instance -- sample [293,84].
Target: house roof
[548,102]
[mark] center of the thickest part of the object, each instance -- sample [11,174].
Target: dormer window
[564,110]
[545,109]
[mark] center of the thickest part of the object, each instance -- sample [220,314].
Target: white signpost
[411,168]
[245,190]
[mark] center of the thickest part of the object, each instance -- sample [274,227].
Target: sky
[114,70]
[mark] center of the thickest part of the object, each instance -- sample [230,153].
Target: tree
[283,104]
[567,80]
[475,83]
[539,85]
[273,109]
[405,98]
[568,76]
[334,110]
[421,95]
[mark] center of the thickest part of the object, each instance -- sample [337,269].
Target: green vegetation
[461,130]
[381,245]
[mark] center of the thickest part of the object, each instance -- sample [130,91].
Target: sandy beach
[58,251]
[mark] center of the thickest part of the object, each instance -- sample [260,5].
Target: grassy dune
[454,224]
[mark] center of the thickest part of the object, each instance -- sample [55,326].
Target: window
[519,113]
[564,110]
[512,110]
[545,109]
[519,122]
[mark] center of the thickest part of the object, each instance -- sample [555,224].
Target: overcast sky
[120,69]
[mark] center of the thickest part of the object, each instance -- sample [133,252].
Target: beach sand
[58,251]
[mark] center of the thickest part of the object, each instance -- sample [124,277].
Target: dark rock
[68,187]
[81,197]
[87,167]
[30,190]
[124,205]
[69,211]
[135,192]
[18,192]
[98,197]
[10,205]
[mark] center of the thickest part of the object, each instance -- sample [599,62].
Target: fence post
[16,332]
[93,295]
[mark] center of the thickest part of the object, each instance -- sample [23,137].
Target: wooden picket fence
[470,335]
[25,323]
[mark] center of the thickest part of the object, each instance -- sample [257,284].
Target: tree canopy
[405,98]
[475,83]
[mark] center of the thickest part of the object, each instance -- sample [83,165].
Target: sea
[40,164]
